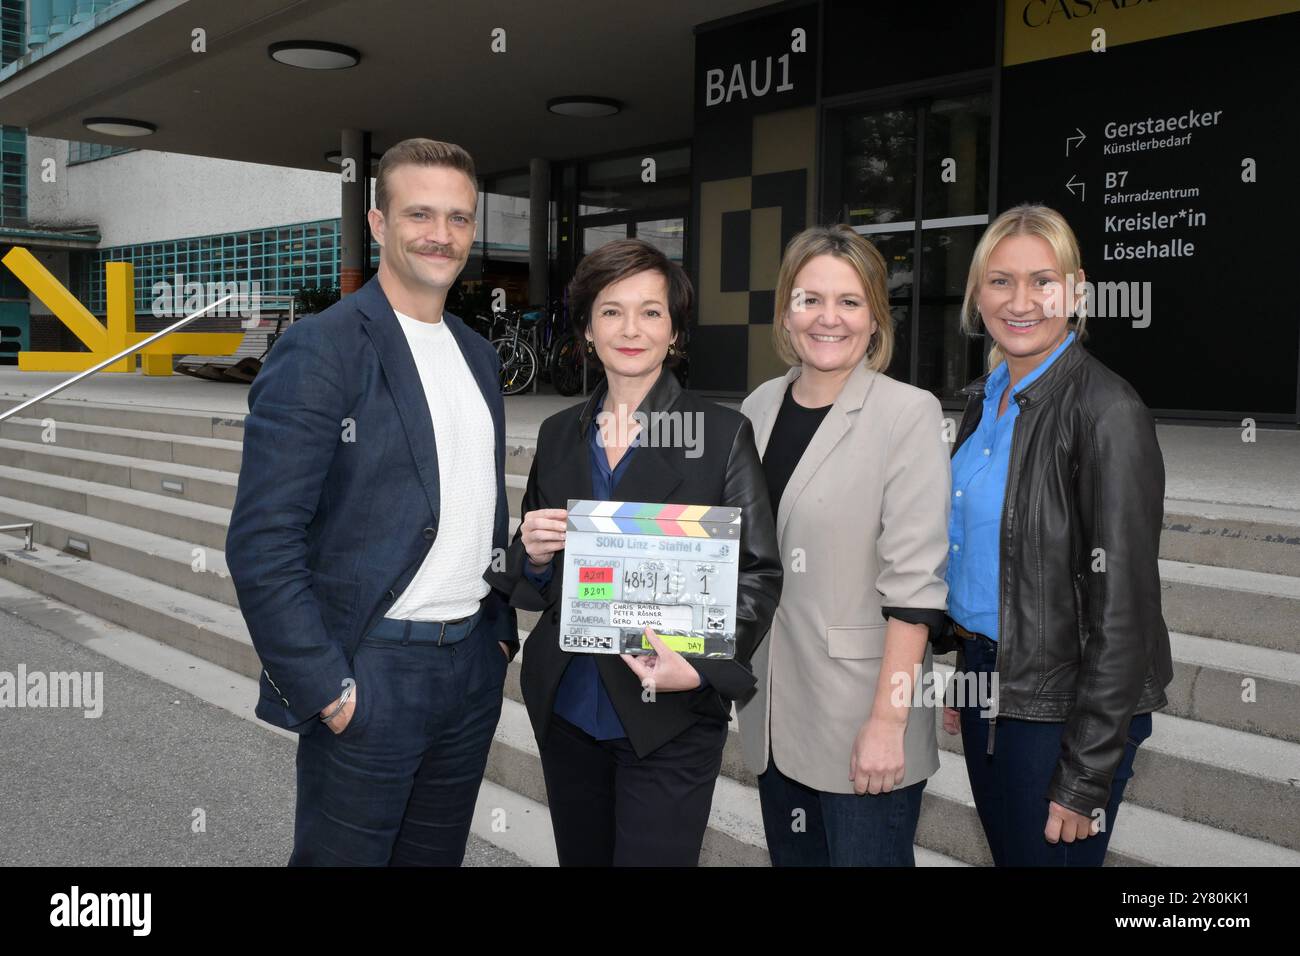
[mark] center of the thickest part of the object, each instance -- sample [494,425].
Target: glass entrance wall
[642,195]
[914,175]
[501,247]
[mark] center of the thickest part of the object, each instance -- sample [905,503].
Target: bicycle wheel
[566,367]
[518,364]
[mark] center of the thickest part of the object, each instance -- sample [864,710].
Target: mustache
[435,249]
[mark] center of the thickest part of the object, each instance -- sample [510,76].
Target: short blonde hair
[421,152]
[843,243]
[1026,219]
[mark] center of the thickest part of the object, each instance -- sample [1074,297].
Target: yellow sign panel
[155,358]
[1042,29]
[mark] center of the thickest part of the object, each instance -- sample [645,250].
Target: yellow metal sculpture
[155,359]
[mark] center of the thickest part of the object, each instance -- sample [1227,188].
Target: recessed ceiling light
[116,126]
[314,55]
[584,106]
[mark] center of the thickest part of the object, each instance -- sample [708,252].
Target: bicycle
[518,357]
[546,335]
[570,367]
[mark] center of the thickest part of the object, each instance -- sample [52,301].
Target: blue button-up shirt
[581,698]
[979,485]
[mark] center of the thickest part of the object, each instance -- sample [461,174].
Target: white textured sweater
[449,584]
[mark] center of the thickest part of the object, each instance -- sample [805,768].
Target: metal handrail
[25,526]
[180,323]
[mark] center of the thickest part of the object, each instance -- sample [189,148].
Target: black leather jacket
[722,469]
[1081,635]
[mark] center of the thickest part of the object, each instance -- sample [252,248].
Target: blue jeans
[398,786]
[1010,786]
[837,829]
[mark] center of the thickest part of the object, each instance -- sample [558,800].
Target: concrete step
[1227,779]
[188,521]
[216,632]
[1247,607]
[1141,837]
[948,826]
[515,485]
[178,564]
[147,418]
[1251,689]
[1233,781]
[1242,606]
[105,516]
[215,453]
[203,485]
[519,455]
[1232,536]
[735,833]
[1253,768]
[208,629]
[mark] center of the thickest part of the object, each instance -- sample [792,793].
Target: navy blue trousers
[807,827]
[1010,786]
[398,786]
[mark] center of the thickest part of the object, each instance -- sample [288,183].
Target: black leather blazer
[726,472]
[1082,638]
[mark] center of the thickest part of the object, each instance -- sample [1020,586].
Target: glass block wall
[281,259]
[13,139]
[89,152]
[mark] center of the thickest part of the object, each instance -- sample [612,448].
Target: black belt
[427,632]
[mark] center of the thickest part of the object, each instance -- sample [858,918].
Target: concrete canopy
[427,69]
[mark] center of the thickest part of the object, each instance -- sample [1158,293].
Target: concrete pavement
[176,744]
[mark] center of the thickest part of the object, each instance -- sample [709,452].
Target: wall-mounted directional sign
[1173,158]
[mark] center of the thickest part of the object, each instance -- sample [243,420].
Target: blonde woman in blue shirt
[1053,577]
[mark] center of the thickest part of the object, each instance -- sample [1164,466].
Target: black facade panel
[871,45]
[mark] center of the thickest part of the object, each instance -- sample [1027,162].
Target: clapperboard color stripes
[678,521]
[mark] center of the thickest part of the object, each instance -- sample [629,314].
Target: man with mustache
[371,502]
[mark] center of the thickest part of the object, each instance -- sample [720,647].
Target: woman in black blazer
[631,746]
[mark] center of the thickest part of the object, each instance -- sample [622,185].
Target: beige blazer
[863,523]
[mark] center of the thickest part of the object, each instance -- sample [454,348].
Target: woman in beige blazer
[841,730]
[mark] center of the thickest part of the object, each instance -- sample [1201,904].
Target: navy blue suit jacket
[338,499]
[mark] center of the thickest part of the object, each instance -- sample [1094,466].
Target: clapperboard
[629,565]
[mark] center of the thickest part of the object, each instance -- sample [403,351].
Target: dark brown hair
[617,260]
[421,152]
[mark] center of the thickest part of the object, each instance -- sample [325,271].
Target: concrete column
[539,231]
[354,244]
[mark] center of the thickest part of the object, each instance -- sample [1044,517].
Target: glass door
[913,178]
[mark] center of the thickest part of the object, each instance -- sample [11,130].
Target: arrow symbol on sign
[1071,184]
[1072,139]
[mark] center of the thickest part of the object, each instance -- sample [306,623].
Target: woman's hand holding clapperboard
[665,669]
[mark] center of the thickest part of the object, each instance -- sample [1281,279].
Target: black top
[791,432]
